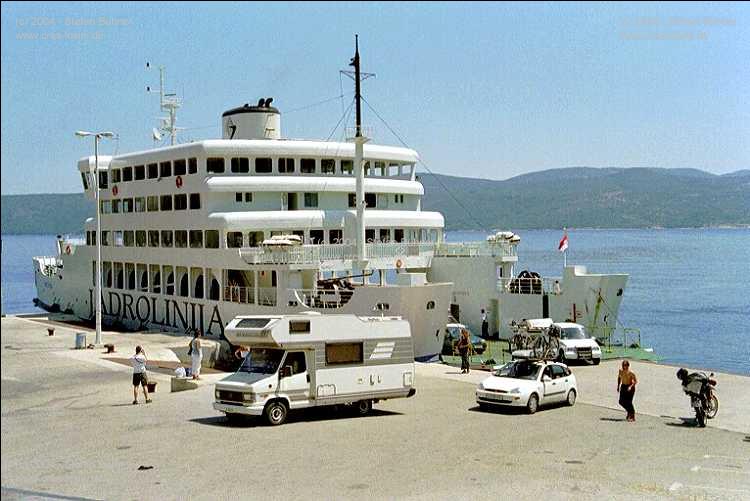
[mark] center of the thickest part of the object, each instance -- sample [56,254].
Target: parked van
[311,360]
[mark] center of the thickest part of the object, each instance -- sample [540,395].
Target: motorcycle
[701,389]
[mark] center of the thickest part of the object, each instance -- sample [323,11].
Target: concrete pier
[69,430]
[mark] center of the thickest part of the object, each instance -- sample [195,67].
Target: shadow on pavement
[300,416]
[509,411]
[684,423]
[616,420]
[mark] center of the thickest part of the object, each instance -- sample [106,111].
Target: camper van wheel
[276,412]
[364,407]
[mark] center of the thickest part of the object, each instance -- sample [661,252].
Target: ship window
[328,166]
[152,203]
[195,200]
[155,278]
[130,272]
[379,169]
[254,238]
[153,171]
[140,172]
[118,238]
[234,239]
[116,176]
[370,200]
[128,238]
[127,174]
[106,206]
[344,353]
[307,166]
[311,199]
[347,167]
[169,281]
[118,275]
[127,205]
[180,238]
[165,169]
[85,181]
[93,238]
[335,237]
[140,269]
[366,168]
[215,165]
[180,202]
[183,284]
[107,274]
[286,165]
[166,238]
[248,197]
[196,239]
[317,236]
[240,165]
[153,238]
[116,206]
[88,238]
[385,235]
[238,197]
[105,237]
[192,165]
[369,236]
[179,168]
[263,165]
[198,289]
[299,327]
[166,202]
[430,305]
[398,235]
[140,204]
[103,179]
[140,238]
[352,200]
[212,239]
[213,292]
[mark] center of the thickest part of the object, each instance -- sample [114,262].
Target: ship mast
[359,142]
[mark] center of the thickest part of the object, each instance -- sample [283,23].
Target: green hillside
[577,197]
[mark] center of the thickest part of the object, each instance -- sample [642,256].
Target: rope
[403,143]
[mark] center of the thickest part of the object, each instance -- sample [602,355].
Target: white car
[529,384]
[576,344]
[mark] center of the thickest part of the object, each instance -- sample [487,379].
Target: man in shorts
[139,374]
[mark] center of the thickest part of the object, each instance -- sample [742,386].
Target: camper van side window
[299,327]
[344,353]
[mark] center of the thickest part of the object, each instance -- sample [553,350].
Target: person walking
[464,347]
[139,374]
[196,354]
[485,325]
[626,382]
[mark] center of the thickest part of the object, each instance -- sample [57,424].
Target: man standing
[139,374]
[485,325]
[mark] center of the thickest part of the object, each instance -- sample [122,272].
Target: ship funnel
[261,121]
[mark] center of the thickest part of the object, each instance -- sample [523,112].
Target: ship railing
[314,254]
[320,298]
[47,265]
[625,337]
[529,285]
[246,295]
[475,249]
[76,241]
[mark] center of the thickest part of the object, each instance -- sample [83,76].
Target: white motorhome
[308,360]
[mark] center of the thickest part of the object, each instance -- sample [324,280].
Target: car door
[554,389]
[562,376]
[294,380]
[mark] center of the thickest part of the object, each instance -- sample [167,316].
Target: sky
[478,89]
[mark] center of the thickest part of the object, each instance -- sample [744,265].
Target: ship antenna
[357,87]
[169,103]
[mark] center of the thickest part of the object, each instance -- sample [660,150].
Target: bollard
[50,331]
[110,348]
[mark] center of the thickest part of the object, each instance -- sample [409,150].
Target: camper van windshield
[262,361]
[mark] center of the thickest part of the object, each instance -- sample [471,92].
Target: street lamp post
[97,136]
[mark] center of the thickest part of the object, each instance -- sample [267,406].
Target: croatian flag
[563,246]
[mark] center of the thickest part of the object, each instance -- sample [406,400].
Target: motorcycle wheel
[713,407]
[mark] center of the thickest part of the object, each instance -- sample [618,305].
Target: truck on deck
[310,360]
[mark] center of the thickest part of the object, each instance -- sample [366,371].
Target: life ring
[68,250]
[398,263]
[178,181]
[115,190]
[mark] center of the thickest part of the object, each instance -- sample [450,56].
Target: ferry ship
[195,234]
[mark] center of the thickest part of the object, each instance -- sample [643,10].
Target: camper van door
[293,378]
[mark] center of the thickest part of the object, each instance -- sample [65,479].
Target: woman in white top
[196,354]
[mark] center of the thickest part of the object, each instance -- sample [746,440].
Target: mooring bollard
[50,331]
[110,348]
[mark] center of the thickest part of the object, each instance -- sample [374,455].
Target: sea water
[688,290]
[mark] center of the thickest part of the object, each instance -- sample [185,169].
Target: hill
[576,197]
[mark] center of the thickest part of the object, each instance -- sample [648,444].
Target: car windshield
[262,361]
[574,333]
[518,370]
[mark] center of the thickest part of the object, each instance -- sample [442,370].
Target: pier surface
[69,430]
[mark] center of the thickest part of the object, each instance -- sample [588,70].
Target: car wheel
[363,407]
[571,398]
[276,412]
[533,404]
[597,360]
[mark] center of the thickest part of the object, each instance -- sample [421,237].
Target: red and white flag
[563,246]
